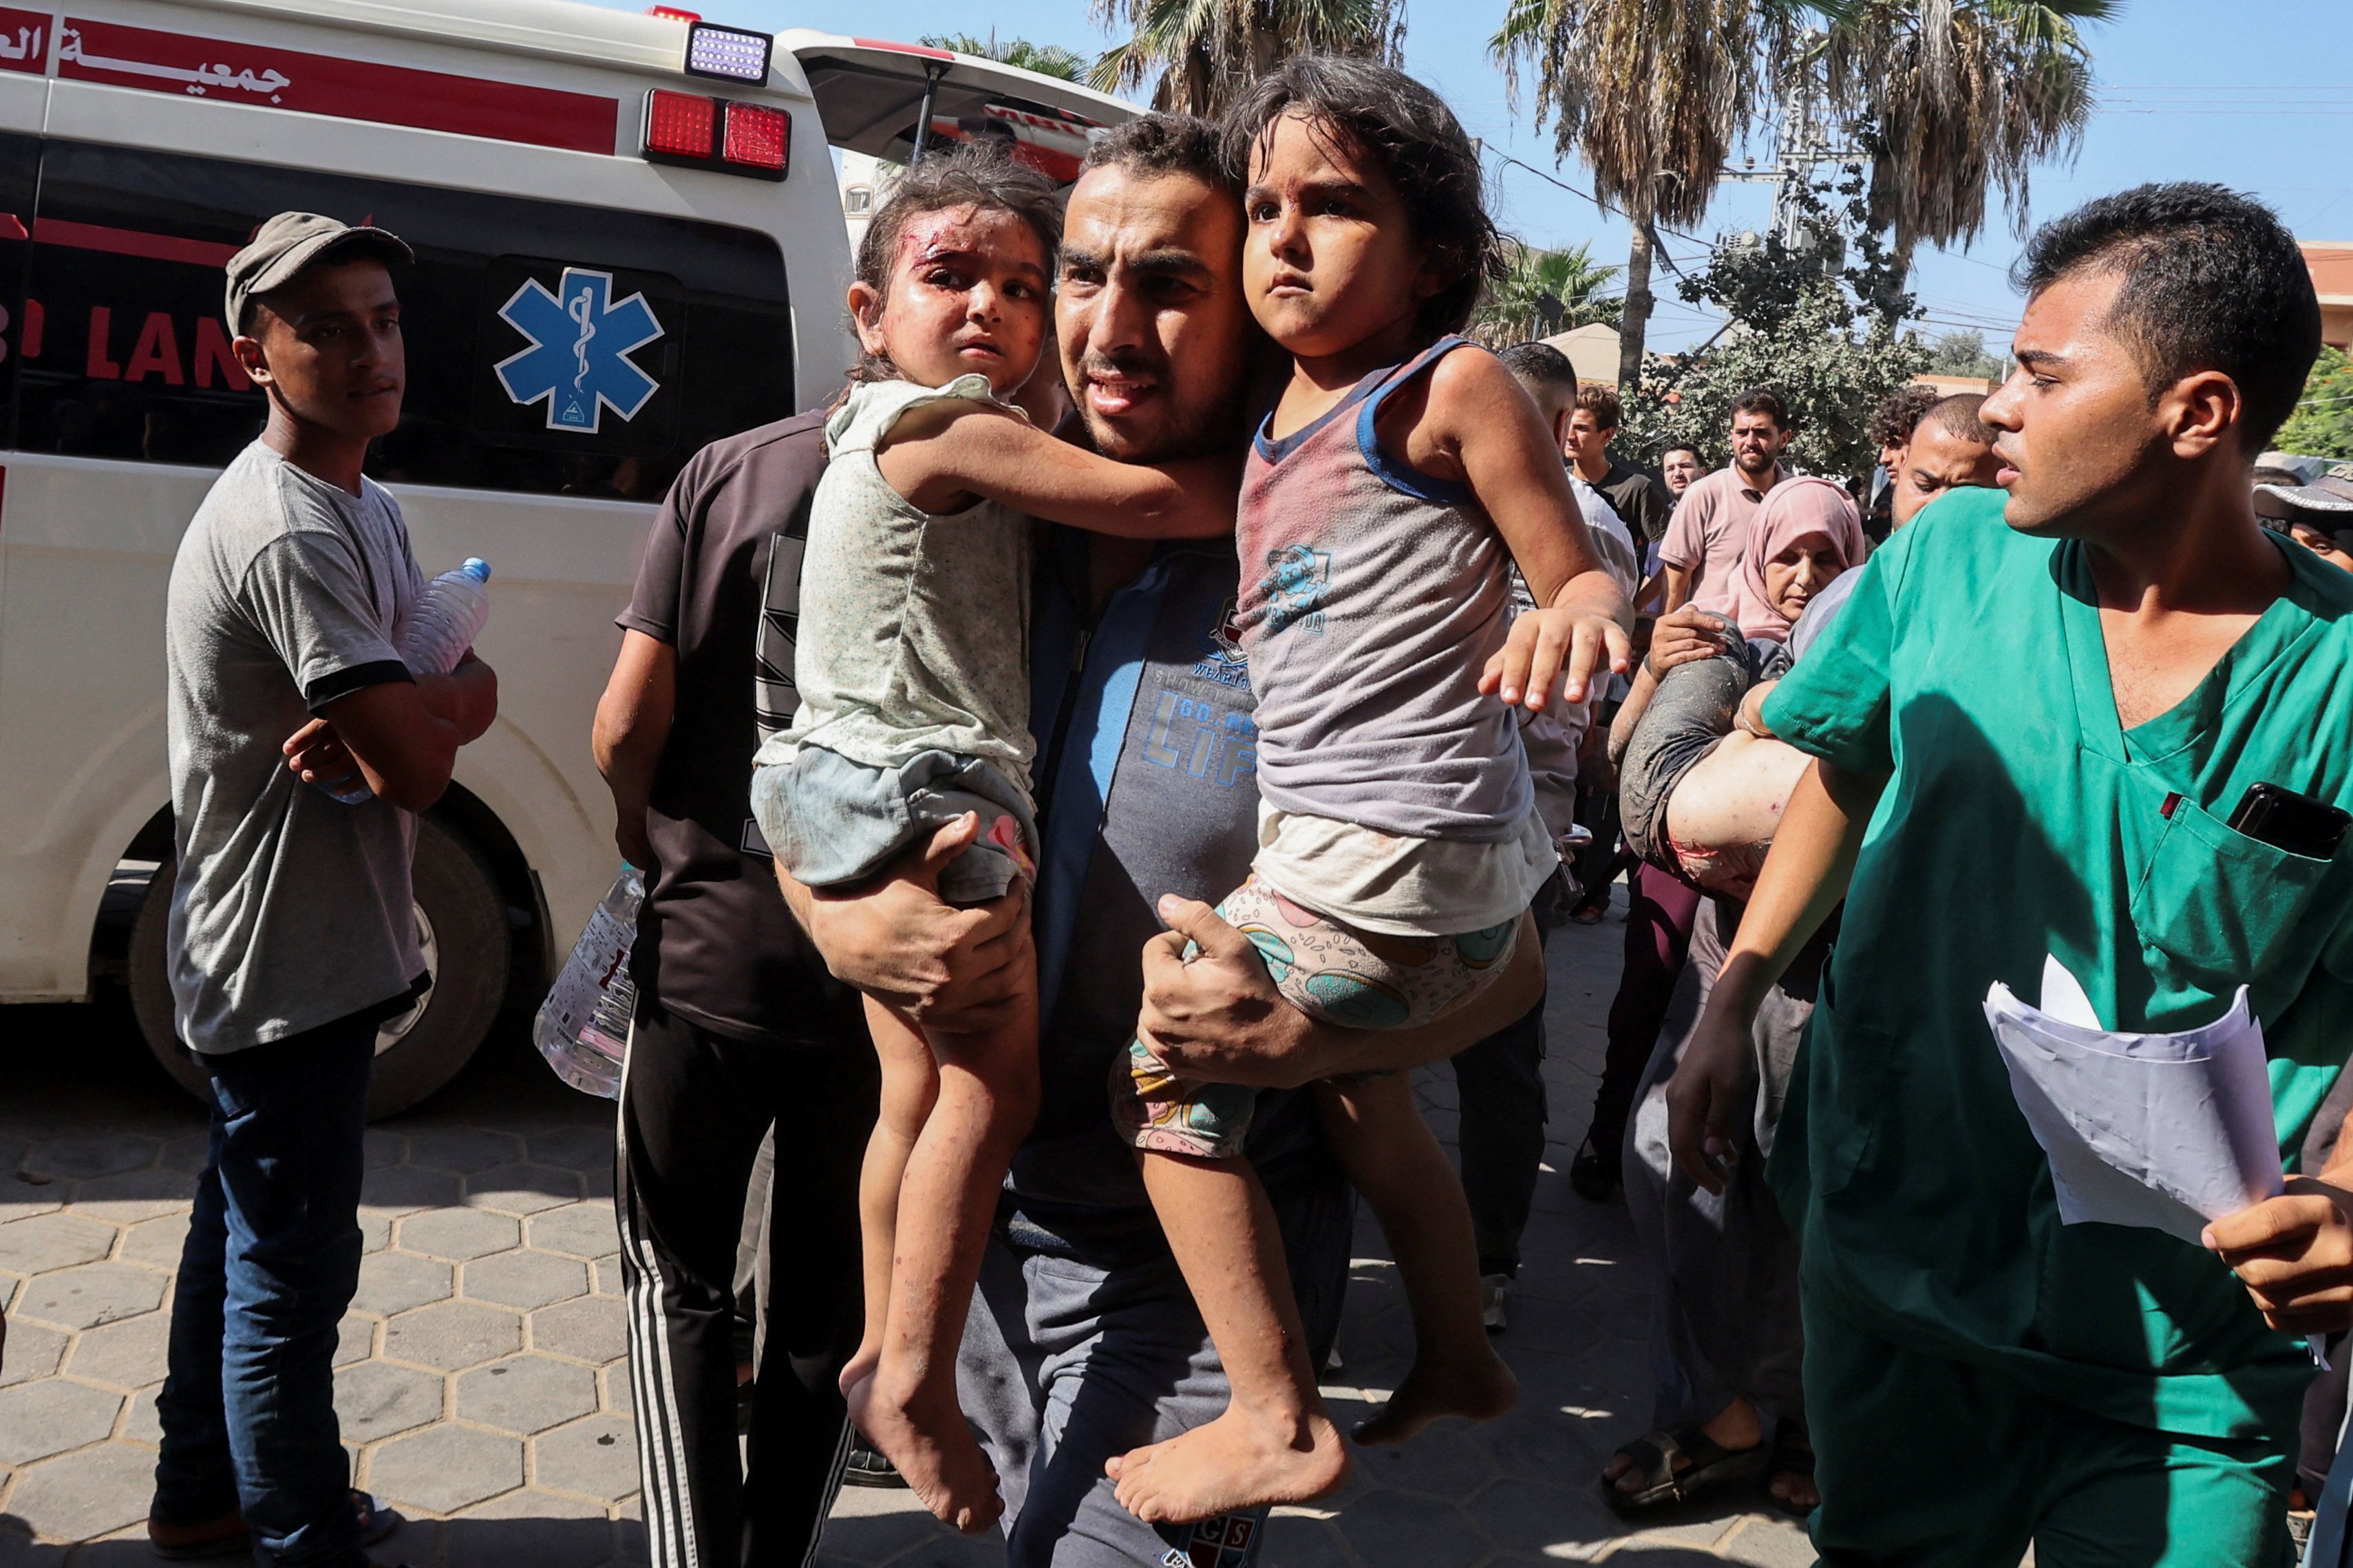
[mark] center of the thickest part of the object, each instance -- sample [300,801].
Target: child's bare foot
[1237,1461]
[933,1452]
[1479,1386]
[861,1367]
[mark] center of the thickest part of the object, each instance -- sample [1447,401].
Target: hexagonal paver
[593,1329]
[386,1147]
[574,1148]
[460,1235]
[375,1230]
[465,1150]
[610,1281]
[445,1469]
[525,1280]
[37,1419]
[157,1243]
[140,1423]
[124,1355]
[23,1196]
[596,1457]
[130,1197]
[52,1241]
[580,1230]
[405,1188]
[522,1189]
[1388,1529]
[94,1294]
[190,1151]
[1519,1514]
[395,1281]
[80,1159]
[375,1399]
[452,1334]
[86,1495]
[619,1398]
[33,1352]
[527,1394]
[354,1340]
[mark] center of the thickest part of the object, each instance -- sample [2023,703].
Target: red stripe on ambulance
[270,77]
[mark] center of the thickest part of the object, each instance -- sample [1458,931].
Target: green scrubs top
[2021,819]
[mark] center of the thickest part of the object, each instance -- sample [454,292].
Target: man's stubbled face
[1156,335]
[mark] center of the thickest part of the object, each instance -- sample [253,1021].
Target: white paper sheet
[2167,1130]
[2162,1129]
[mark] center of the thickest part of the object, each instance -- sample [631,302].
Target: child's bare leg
[911,1082]
[988,1098]
[1391,1157]
[1275,1444]
[1736,794]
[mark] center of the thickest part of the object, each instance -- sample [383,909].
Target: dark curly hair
[2213,280]
[1898,414]
[1414,139]
[977,175]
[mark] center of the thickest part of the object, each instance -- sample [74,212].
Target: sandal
[1653,1456]
[1593,1175]
[1792,1456]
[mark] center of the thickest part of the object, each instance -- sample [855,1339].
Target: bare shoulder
[1472,385]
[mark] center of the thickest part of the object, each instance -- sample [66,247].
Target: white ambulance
[629,242]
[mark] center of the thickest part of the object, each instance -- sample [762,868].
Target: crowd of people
[1209,679]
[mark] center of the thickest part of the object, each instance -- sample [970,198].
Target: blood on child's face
[1330,259]
[967,293]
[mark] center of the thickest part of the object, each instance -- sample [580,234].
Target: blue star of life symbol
[579,354]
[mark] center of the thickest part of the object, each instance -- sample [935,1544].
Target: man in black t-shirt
[738,1025]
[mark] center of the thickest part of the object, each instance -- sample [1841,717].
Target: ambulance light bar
[717,133]
[729,54]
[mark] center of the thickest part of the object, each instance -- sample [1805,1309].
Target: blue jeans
[271,1260]
[1085,1343]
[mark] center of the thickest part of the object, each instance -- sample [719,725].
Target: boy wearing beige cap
[292,938]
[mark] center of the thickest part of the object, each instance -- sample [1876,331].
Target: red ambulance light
[672,13]
[681,125]
[757,139]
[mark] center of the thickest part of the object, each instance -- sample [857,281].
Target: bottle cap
[477,568]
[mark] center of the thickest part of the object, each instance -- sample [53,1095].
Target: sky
[2258,96]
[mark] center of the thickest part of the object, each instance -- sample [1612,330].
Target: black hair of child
[1407,131]
[975,175]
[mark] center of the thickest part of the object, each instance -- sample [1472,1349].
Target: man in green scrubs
[2033,720]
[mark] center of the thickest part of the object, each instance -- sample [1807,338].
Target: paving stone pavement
[481,1380]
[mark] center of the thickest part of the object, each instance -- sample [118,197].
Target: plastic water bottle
[583,1027]
[442,626]
[449,615]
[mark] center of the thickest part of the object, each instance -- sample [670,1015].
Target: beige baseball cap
[285,245]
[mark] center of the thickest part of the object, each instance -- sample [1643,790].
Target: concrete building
[2332,278]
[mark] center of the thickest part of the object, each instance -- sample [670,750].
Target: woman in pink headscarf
[1701,798]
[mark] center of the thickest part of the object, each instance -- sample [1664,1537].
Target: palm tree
[1652,95]
[1547,292]
[1952,96]
[1203,53]
[1046,60]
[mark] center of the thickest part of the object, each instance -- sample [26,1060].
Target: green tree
[1827,336]
[1046,60]
[2322,425]
[1950,97]
[1200,54]
[1652,96]
[1546,291]
[1962,353]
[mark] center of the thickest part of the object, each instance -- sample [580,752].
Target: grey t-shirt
[291,910]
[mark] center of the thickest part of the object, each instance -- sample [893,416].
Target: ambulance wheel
[460,925]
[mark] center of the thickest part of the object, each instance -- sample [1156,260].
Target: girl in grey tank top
[1398,479]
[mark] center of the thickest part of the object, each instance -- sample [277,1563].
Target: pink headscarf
[1792,510]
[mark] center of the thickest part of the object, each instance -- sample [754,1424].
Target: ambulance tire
[462,925]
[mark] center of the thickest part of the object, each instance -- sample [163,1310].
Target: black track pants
[694,1107]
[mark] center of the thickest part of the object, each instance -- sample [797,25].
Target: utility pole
[1801,145]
